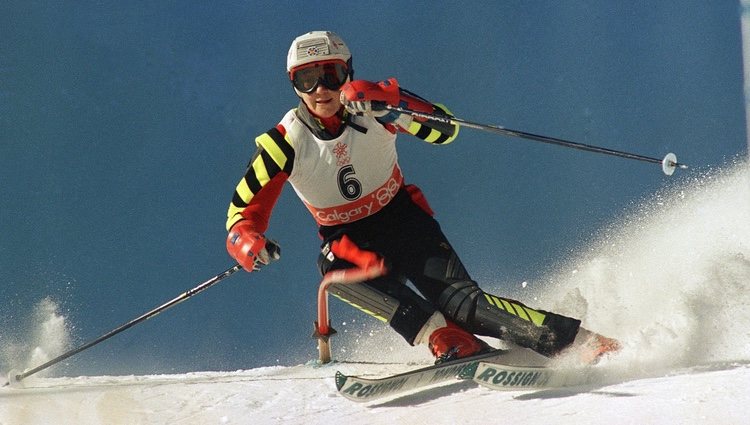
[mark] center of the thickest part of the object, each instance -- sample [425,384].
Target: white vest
[345,179]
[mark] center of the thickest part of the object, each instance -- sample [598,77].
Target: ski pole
[668,163]
[16,377]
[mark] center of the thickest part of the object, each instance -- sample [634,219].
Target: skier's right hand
[370,98]
[250,248]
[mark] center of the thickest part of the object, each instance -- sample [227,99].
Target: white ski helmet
[317,46]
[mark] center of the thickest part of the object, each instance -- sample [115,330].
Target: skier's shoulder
[277,135]
[290,118]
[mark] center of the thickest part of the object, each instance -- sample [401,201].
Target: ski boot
[452,342]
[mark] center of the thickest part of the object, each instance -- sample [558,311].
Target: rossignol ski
[505,377]
[506,370]
[366,389]
[498,376]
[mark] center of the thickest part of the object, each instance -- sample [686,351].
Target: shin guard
[544,332]
[485,314]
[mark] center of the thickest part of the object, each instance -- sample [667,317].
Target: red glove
[366,97]
[250,248]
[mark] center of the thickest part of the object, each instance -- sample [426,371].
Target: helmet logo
[315,46]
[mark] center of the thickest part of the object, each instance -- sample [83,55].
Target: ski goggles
[331,74]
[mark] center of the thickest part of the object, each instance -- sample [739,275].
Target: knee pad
[459,301]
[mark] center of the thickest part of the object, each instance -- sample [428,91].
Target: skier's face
[319,85]
[322,101]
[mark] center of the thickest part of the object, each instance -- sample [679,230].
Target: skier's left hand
[368,98]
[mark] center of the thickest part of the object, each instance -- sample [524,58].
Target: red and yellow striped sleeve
[260,187]
[431,131]
[434,132]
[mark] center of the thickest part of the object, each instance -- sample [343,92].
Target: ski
[498,376]
[362,389]
[574,367]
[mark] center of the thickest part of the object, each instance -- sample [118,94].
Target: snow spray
[671,280]
[46,335]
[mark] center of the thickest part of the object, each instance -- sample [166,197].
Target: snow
[671,281]
[306,395]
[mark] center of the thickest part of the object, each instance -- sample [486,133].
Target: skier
[337,149]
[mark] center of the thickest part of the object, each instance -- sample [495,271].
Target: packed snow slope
[306,395]
[671,280]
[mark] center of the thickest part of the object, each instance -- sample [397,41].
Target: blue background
[125,126]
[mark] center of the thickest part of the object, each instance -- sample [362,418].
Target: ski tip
[340,380]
